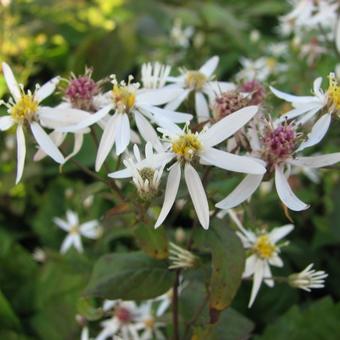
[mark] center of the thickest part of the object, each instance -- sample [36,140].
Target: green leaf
[8,318]
[129,276]
[228,258]
[87,308]
[153,241]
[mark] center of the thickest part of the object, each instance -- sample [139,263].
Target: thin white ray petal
[231,162]
[123,134]
[157,96]
[197,194]
[285,192]
[201,107]
[72,217]
[77,243]
[250,266]
[171,190]
[209,67]
[299,111]
[21,152]
[47,89]
[89,229]
[257,280]
[276,261]
[241,193]
[107,140]
[57,138]
[6,122]
[67,244]
[46,143]
[11,82]
[175,103]
[175,117]
[61,223]
[291,98]
[268,275]
[227,126]
[280,232]
[317,161]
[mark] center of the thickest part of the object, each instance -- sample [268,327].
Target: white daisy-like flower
[264,249]
[279,147]
[180,257]
[75,230]
[181,35]
[122,323]
[145,173]
[127,100]
[154,75]
[308,279]
[24,108]
[188,147]
[202,84]
[306,107]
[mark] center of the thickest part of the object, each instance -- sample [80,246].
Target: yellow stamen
[333,92]
[264,247]
[24,109]
[195,80]
[124,98]
[271,63]
[150,323]
[74,230]
[187,146]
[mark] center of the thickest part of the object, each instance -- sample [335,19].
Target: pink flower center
[123,315]
[255,90]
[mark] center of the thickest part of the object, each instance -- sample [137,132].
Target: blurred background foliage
[42,38]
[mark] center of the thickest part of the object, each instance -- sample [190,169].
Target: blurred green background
[43,38]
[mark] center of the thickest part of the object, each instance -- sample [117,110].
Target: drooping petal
[317,133]
[317,161]
[241,193]
[158,96]
[231,162]
[291,98]
[209,67]
[279,233]
[6,122]
[285,192]
[197,194]
[78,143]
[175,103]
[57,138]
[11,82]
[171,190]
[258,278]
[21,152]
[175,117]
[227,126]
[46,143]
[47,89]
[201,107]
[123,135]
[107,140]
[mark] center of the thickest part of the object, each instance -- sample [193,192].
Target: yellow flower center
[74,230]
[187,146]
[271,63]
[195,80]
[263,247]
[124,98]
[25,108]
[150,323]
[333,92]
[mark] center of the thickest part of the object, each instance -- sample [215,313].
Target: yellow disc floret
[124,95]
[186,146]
[264,248]
[333,92]
[24,109]
[195,80]
[74,230]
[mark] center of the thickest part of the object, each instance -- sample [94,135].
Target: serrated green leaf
[129,276]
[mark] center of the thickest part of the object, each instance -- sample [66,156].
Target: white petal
[6,123]
[304,109]
[291,98]
[279,233]
[241,193]
[197,194]
[67,243]
[57,138]
[175,103]
[47,89]
[268,274]
[46,143]
[21,152]
[209,66]
[158,96]
[317,161]
[258,278]
[171,190]
[175,117]
[123,134]
[62,224]
[231,162]
[215,88]
[337,36]
[11,82]
[250,266]
[107,140]
[89,229]
[316,87]
[125,173]
[285,192]
[276,261]
[78,143]
[72,217]
[319,131]
[147,131]
[77,243]
[227,126]
[201,107]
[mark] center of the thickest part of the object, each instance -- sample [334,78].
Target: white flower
[179,35]
[24,108]
[126,100]
[264,253]
[154,75]
[180,257]
[202,84]
[279,148]
[308,279]
[75,230]
[306,107]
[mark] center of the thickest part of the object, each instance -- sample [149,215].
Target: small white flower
[180,257]
[308,279]
[75,231]
[154,75]
[264,253]
[202,84]
[180,35]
